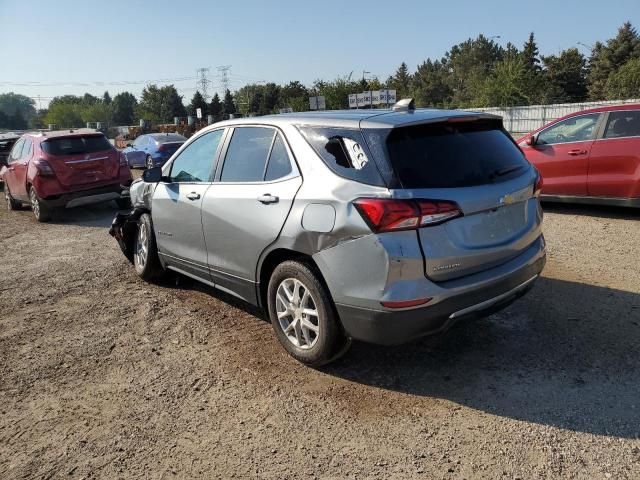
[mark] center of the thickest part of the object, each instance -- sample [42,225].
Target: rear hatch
[473,163]
[82,159]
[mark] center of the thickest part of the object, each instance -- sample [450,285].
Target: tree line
[478,72]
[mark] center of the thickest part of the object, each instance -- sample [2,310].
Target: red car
[67,168]
[592,156]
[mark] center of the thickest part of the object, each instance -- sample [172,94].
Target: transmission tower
[203,82]
[224,77]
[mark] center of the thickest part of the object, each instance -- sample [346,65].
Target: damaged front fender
[124,228]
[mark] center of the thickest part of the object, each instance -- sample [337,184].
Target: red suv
[592,156]
[67,168]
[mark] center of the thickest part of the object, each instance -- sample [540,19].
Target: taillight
[538,185]
[386,214]
[43,168]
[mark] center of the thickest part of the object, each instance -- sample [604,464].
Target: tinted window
[16,151]
[247,154]
[76,145]
[279,163]
[195,162]
[575,129]
[449,155]
[623,124]
[345,152]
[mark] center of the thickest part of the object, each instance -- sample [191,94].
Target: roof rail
[404,105]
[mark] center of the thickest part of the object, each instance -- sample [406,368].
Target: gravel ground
[104,376]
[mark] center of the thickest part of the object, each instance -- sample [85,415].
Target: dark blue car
[153,150]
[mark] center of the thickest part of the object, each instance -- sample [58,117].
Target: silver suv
[380,225]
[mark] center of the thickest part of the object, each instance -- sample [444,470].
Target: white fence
[521,120]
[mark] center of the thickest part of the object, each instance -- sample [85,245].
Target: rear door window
[451,155]
[76,145]
[195,163]
[27,149]
[345,152]
[247,154]
[623,124]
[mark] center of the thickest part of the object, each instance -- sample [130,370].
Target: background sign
[374,97]
[199,112]
[317,103]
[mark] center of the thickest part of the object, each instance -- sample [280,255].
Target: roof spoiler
[404,105]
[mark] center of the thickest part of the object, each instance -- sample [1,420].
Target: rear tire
[145,251]
[40,211]
[303,315]
[12,205]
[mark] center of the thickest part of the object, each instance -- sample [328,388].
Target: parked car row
[379,225]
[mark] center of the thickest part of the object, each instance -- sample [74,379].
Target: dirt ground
[104,376]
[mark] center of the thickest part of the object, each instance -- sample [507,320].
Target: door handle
[268,198]
[577,151]
[193,196]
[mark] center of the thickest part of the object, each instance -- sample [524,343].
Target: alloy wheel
[35,203]
[142,246]
[297,313]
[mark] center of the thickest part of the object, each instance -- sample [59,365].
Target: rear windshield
[76,145]
[450,155]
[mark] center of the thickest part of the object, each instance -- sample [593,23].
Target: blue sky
[71,41]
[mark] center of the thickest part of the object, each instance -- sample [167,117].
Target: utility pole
[203,82]
[224,77]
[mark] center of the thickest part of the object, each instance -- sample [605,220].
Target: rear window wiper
[504,171]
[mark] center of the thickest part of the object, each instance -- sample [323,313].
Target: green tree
[160,104]
[607,59]
[470,63]
[270,99]
[106,98]
[531,55]
[401,81]
[506,86]
[431,84]
[215,108]
[124,105]
[296,96]
[336,92]
[565,77]
[198,102]
[625,83]
[228,106]
[12,103]
[64,114]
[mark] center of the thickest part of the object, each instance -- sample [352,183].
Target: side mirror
[153,175]
[532,141]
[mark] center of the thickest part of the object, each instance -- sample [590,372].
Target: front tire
[40,211]
[303,315]
[12,205]
[145,251]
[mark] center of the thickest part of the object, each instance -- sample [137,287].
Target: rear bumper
[497,289]
[89,196]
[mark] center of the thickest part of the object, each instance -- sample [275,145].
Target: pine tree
[401,81]
[565,77]
[228,105]
[531,54]
[198,102]
[106,98]
[215,108]
[607,59]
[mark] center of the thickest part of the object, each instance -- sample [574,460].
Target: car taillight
[43,168]
[538,185]
[386,214]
